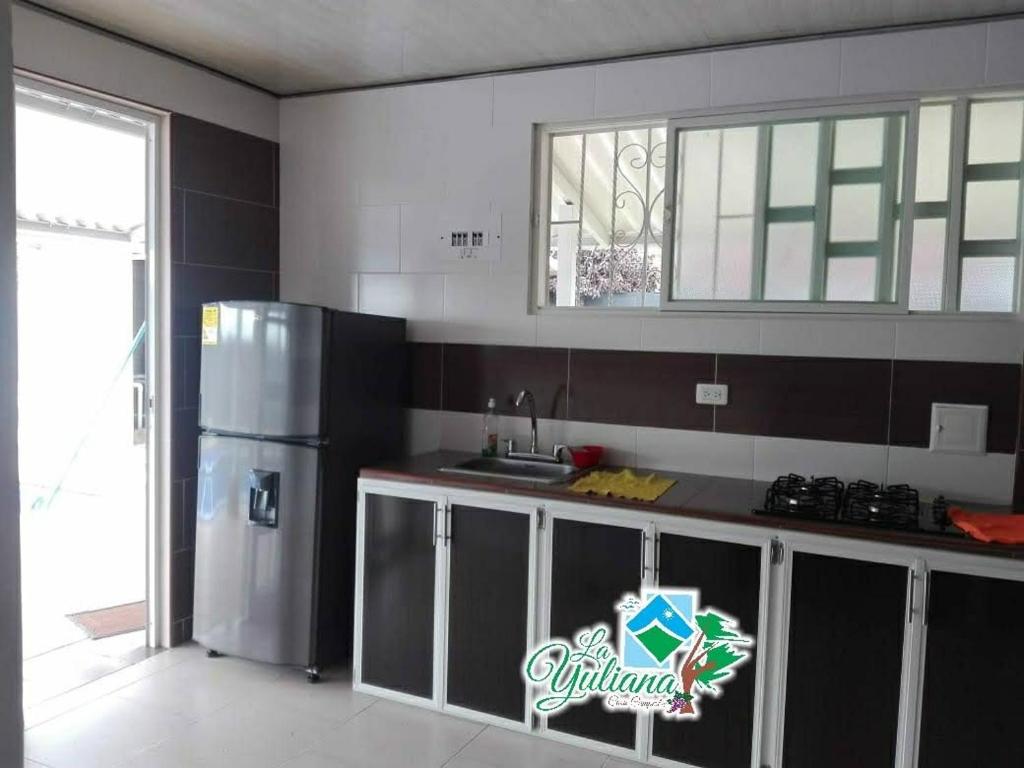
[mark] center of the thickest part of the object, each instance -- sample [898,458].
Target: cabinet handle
[447,529]
[433,540]
[927,602]
[643,556]
[911,589]
[657,555]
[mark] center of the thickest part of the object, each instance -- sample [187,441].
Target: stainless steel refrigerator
[294,399]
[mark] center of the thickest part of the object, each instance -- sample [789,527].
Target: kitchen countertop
[706,497]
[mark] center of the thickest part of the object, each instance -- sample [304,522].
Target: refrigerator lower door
[260,369]
[255,548]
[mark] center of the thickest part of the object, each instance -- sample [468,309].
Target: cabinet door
[592,566]
[846,627]
[970,714]
[728,576]
[398,594]
[488,598]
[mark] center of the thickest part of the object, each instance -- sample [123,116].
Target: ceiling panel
[304,45]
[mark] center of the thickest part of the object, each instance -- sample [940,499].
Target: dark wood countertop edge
[947,543]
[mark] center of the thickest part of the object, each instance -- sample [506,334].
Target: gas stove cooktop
[859,503]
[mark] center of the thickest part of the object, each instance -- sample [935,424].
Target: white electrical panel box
[470,237]
[959,428]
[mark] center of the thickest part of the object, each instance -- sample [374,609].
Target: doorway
[85,184]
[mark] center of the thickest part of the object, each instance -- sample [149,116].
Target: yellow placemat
[624,484]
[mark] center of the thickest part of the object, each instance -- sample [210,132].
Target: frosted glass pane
[851,279]
[794,157]
[739,164]
[562,255]
[990,210]
[994,132]
[566,163]
[933,153]
[697,219]
[787,274]
[854,213]
[926,264]
[986,284]
[735,252]
[858,143]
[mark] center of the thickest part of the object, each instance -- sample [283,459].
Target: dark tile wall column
[224,245]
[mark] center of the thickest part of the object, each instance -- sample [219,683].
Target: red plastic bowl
[585,456]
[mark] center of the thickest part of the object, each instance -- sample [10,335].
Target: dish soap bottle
[489,438]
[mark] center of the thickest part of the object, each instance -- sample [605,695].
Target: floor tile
[501,748]
[254,734]
[386,735]
[201,686]
[99,734]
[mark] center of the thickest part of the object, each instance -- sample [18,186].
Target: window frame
[544,135]
[908,108]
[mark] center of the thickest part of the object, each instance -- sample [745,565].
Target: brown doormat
[116,620]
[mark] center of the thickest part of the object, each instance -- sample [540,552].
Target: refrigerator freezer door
[255,544]
[261,369]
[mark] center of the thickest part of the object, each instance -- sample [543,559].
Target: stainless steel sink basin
[515,469]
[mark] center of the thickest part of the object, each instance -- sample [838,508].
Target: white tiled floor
[179,709]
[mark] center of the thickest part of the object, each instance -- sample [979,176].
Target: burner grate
[817,498]
[892,506]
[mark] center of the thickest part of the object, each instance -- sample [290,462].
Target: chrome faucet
[527,395]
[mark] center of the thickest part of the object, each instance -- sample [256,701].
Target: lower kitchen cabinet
[398,573]
[844,666]
[973,675]
[488,599]
[728,576]
[592,566]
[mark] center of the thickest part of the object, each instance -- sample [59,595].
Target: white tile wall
[704,453]
[767,73]
[920,60]
[676,83]
[1005,57]
[422,431]
[987,478]
[419,298]
[588,332]
[370,238]
[829,338]
[978,341]
[547,96]
[486,309]
[693,334]
[775,456]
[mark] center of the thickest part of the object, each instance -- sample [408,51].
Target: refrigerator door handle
[263,496]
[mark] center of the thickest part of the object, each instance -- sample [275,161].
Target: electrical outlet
[712,394]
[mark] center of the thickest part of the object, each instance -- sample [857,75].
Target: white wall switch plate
[712,394]
[959,428]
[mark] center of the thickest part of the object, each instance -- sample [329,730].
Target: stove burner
[817,498]
[892,506]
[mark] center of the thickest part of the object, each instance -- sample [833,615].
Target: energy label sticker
[211,325]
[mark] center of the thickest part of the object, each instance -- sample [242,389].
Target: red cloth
[1001,529]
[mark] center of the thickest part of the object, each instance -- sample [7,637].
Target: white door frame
[158,340]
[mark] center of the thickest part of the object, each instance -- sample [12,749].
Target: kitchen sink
[516,469]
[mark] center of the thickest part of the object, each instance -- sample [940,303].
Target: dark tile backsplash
[224,245]
[917,384]
[805,397]
[219,161]
[645,389]
[425,375]
[814,398]
[473,373]
[229,233]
